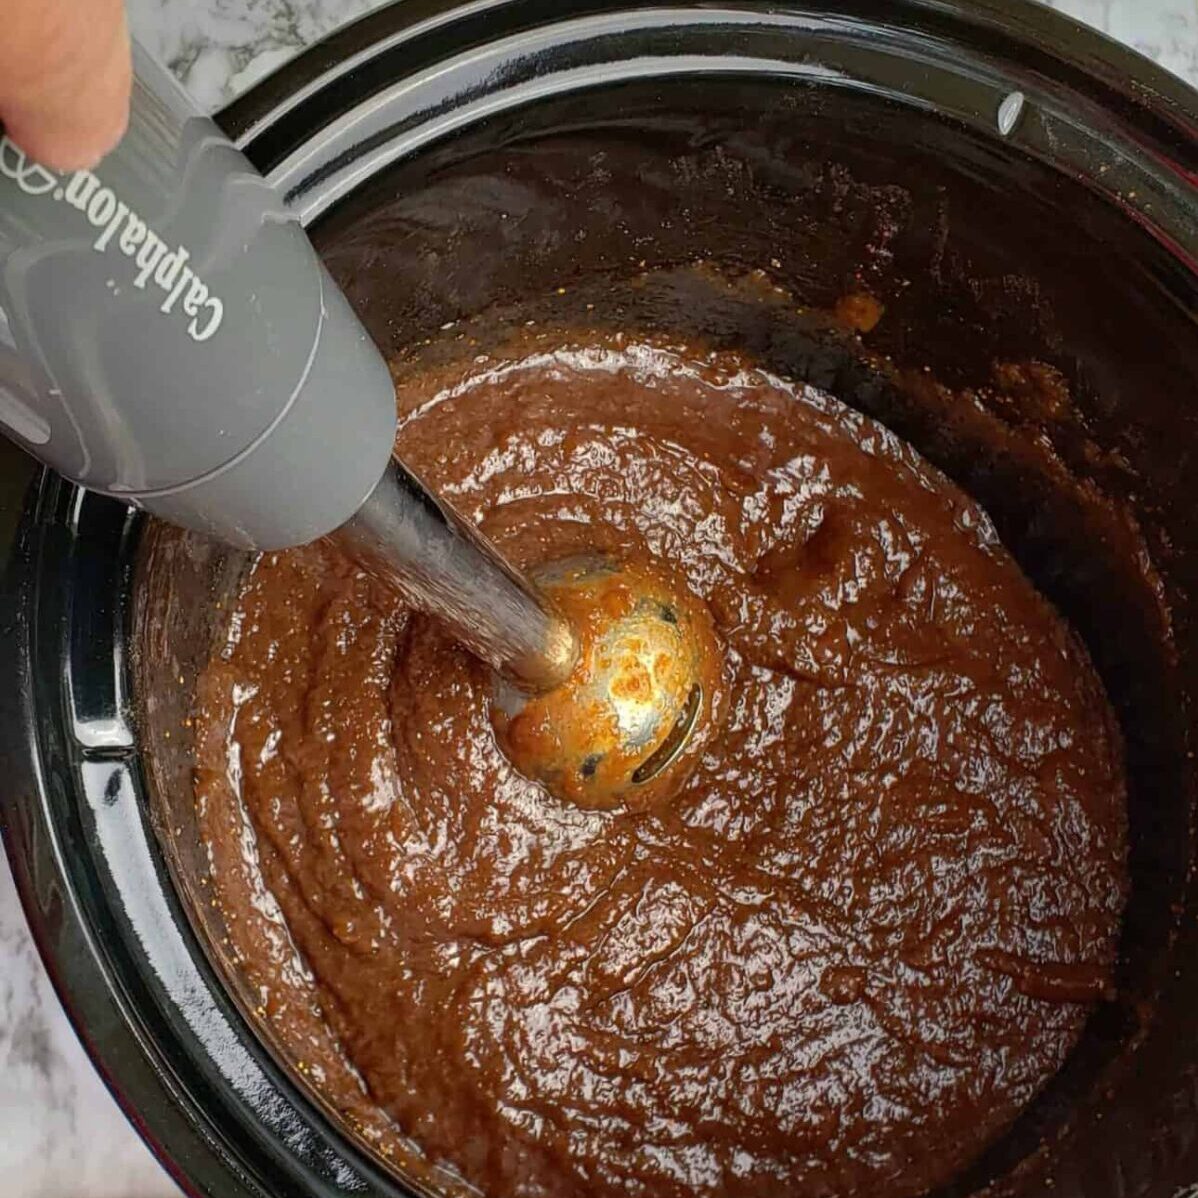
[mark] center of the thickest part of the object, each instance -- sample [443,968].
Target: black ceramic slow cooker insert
[1036,185]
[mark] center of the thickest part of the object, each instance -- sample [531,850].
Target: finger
[64,79]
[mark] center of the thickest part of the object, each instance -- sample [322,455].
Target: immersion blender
[169,337]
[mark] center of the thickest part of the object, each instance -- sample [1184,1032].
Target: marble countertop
[60,1131]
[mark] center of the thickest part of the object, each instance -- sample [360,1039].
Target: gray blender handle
[169,337]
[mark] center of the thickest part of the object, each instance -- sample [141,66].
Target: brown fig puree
[838,961]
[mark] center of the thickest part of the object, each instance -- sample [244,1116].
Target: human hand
[64,78]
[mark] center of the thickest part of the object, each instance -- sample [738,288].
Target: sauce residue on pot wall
[840,960]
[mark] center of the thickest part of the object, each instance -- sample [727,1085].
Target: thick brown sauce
[840,961]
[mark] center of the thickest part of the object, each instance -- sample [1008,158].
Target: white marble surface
[61,1134]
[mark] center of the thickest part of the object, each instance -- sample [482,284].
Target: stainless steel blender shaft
[423,549]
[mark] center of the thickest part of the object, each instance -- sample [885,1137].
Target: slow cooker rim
[1143,83]
[35,847]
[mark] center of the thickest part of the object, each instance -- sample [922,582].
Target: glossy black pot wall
[1011,187]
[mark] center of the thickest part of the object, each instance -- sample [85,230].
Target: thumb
[64,79]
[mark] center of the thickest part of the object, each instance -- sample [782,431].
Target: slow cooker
[1007,185]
